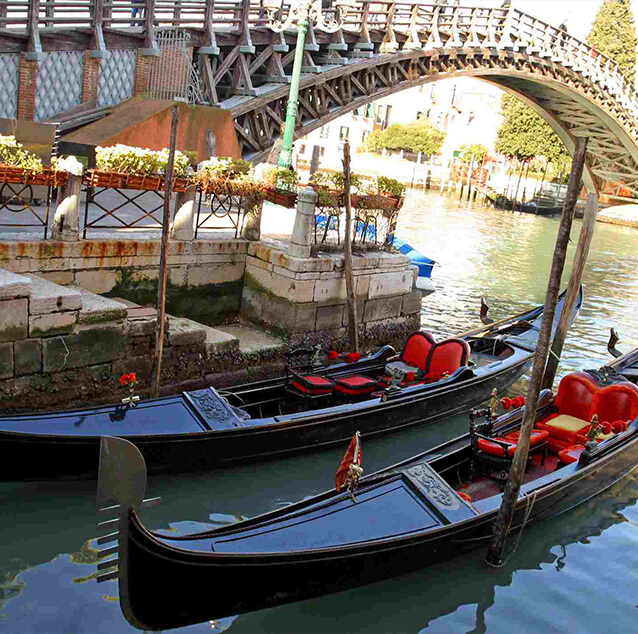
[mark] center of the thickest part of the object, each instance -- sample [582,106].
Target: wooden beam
[34,48]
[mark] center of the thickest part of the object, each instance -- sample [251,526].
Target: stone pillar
[301,238]
[66,223]
[26,88]
[90,78]
[252,218]
[184,219]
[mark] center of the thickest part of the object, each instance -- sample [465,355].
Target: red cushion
[575,395]
[537,437]
[320,385]
[617,402]
[571,454]
[448,356]
[619,426]
[416,349]
[355,385]
[494,449]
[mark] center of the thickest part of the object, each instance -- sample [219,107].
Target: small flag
[350,469]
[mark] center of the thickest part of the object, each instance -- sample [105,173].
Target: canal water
[574,573]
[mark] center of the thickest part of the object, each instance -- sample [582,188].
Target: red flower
[506,402]
[409,377]
[332,354]
[606,428]
[128,379]
[351,357]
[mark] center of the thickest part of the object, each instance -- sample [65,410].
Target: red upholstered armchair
[417,349]
[446,357]
[412,360]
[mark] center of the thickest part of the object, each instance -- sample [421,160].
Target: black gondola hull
[37,456]
[163,587]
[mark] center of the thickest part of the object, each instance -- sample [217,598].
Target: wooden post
[161,286]
[347,248]
[517,472]
[580,259]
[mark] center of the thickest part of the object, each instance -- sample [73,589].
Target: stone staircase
[55,339]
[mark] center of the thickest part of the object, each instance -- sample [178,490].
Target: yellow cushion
[570,423]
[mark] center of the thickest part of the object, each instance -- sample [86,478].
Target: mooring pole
[515,480]
[580,259]
[161,286]
[347,249]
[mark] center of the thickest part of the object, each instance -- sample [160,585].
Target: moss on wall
[209,304]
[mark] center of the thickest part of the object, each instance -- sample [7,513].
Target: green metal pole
[285,157]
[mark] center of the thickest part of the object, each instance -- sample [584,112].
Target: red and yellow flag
[353,456]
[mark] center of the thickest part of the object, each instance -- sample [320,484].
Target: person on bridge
[137,12]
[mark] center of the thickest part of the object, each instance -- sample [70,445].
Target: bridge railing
[420,26]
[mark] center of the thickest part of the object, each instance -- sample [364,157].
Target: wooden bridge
[384,47]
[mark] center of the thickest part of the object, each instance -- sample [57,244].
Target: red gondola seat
[446,357]
[308,386]
[412,360]
[496,454]
[355,386]
[579,397]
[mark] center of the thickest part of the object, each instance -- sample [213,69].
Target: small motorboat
[424,264]
[429,508]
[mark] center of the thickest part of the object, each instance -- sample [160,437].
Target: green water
[573,574]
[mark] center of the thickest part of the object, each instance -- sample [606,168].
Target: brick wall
[90,78]
[143,67]
[26,89]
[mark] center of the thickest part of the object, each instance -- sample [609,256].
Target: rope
[529,501]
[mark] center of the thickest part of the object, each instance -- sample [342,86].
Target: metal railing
[427,26]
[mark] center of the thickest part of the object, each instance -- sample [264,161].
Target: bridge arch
[576,90]
[571,104]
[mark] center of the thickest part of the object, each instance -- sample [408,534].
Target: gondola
[625,364]
[304,410]
[429,508]
[424,510]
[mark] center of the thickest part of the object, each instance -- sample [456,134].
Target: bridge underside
[573,105]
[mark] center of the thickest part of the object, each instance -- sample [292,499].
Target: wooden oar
[495,324]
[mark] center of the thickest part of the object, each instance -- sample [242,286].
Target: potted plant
[282,185]
[234,177]
[19,166]
[125,167]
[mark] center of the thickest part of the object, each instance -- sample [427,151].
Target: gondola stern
[121,488]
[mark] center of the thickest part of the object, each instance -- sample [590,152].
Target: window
[364,136]
[302,149]
[420,116]
[369,111]
[322,151]
[379,115]
[344,131]
[324,132]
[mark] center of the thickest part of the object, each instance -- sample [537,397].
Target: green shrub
[390,187]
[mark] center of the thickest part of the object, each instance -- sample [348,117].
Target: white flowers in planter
[13,153]
[135,160]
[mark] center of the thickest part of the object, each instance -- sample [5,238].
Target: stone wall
[61,345]
[205,277]
[303,295]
